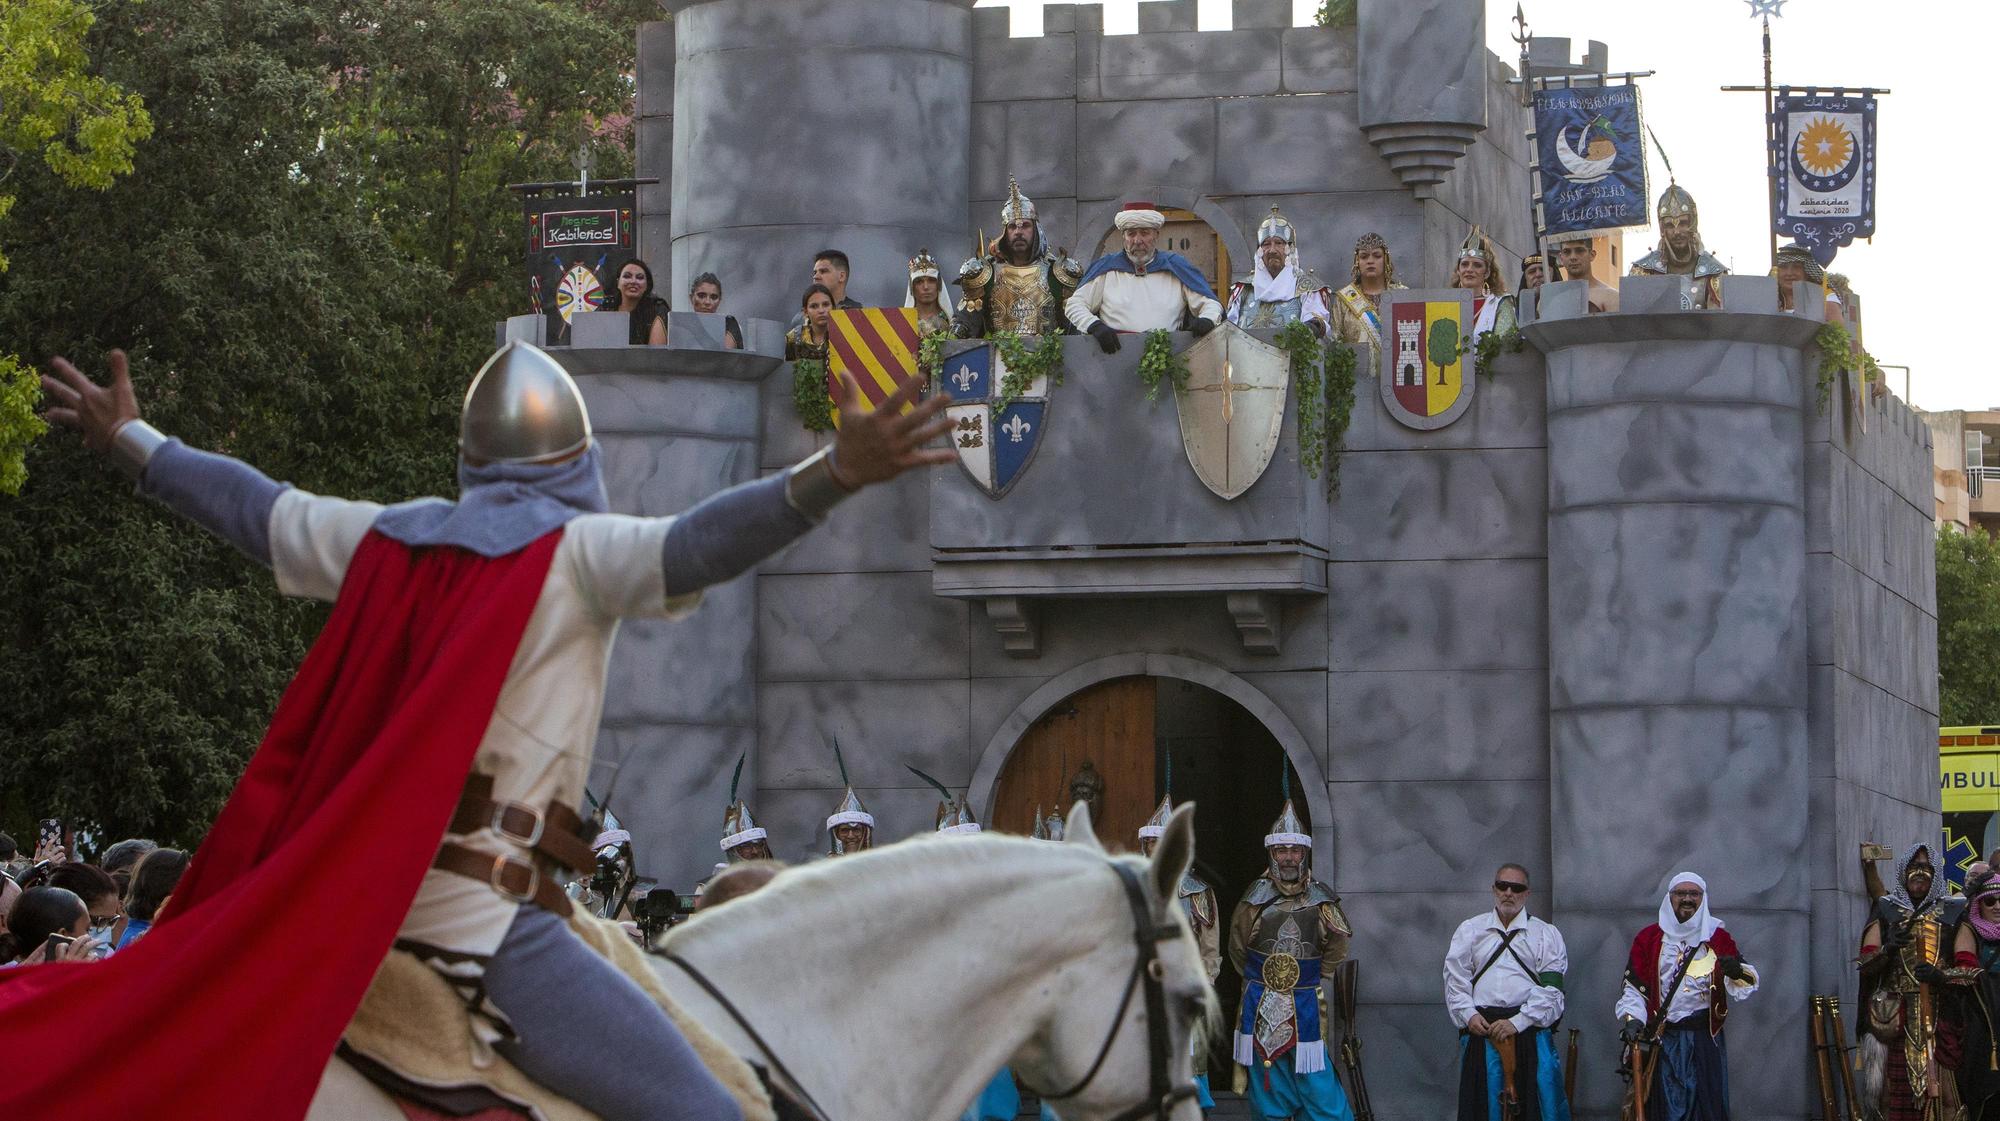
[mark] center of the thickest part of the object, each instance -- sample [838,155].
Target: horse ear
[1078,829]
[1175,855]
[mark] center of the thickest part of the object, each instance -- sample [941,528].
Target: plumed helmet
[522,407]
[1288,829]
[738,828]
[1018,207]
[1674,202]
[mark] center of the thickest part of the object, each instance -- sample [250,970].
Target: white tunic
[1507,984]
[1692,996]
[1129,302]
[539,744]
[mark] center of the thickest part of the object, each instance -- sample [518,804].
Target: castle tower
[774,158]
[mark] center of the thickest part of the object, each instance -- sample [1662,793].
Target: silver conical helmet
[1288,829]
[850,811]
[1156,826]
[523,407]
[956,817]
[738,828]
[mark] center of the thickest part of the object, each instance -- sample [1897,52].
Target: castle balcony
[1108,506]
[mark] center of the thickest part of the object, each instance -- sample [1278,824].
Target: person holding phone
[47,924]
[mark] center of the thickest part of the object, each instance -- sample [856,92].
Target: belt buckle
[527,841]
[501,864]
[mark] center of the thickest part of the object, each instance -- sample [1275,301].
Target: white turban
[1141,219]
[1700,926]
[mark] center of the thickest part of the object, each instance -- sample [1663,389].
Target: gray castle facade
[1646,606]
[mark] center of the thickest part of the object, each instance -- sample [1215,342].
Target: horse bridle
[1161,1093]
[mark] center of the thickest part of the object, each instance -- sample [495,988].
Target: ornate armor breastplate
[1017,299]
[1258,313]
[1288,938]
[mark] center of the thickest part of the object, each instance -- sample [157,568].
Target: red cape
[230,1006]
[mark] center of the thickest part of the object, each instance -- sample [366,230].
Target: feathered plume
[1662,150]
[737,777]
[840,761]
[1285,782]
[941,789]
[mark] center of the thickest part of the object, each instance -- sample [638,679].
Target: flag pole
[1772,143]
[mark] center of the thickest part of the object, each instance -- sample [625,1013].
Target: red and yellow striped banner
[877,346]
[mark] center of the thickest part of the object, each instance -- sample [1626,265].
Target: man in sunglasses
[1690,963]
[1503,985]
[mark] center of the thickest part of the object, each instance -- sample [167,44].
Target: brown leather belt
[555,832]
[511,876]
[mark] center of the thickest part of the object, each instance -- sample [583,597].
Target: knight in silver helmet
[1285,938]
[1278,290]
[531,515]
[742,838]
[1017,283]
[1679,252]
[850,827]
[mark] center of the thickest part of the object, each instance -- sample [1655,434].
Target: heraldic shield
[994,443]
[1427,370]
[1233,407]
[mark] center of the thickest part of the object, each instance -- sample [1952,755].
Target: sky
[1930,55]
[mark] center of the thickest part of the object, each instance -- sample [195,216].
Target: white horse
[893,983]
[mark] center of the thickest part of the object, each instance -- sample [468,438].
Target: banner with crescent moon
[1590,160]
[1826,169]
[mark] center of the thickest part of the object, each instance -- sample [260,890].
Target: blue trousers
[1278,1092]
[586,1031]
[1691,1080]
[1548,1087]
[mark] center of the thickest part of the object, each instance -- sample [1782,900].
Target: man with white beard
[1503,986]
[1285,935]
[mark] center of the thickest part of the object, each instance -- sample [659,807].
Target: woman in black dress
[633,294]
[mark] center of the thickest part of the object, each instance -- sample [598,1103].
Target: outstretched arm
[225,496]
[724,535]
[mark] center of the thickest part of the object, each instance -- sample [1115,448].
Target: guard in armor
[1018,283]
[1285,935]
[1197,901]
[1278,291]
[850,827]
[1901,947]
[742,838]
[426,762]
[1680,253]
[1357,308]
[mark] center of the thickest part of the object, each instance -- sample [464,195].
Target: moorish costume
[1291,295]
[1000,297]
[1699,962]
[1283,938]
[1513,971]
[1898,1017]
[1163,292]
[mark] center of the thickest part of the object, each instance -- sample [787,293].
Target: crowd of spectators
[54,908]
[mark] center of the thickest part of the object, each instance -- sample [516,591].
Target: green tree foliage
[1968,607]
[1443,348]
[305,264]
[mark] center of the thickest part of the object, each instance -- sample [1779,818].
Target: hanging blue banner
[1590,160]
[1826,169]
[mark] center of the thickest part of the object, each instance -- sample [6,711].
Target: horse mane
[854,890]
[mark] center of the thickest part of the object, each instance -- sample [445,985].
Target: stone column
[1678,653]
[1422,67]
[809,124]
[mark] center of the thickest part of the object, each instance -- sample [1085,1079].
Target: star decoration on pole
[1765,8]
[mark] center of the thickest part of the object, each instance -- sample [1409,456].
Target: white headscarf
[1701,926]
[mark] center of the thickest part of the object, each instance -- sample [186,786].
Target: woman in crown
[1492,307]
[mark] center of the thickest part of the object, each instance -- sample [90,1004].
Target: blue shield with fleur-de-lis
[996,426]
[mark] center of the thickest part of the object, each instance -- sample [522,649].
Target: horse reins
[1161,1096]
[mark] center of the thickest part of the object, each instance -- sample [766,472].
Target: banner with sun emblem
[1590,160]
[1826,177]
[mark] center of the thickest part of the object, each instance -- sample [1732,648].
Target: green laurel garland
[1324,375]
[1338,375]
[1493,344]
[809,394]
[1159,363]
[1838,354]
[930,349]
[1025,366]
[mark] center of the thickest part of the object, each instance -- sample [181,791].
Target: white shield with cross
[1233,407]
